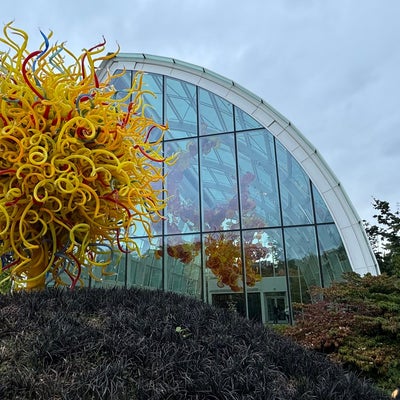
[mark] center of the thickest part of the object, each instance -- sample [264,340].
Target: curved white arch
[345,216]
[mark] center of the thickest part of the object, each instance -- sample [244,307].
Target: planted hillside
[138,344]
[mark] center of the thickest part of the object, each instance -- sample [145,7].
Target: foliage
[5,278]
[385,237]
[357,323]
[137,344]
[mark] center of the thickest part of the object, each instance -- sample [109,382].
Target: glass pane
[302,259]
[224,271]
[264,251]
[115,272]
[322,213]
[254,305]
[182,184]
[154,83]
[265,248]
[233,302]
[216,114]
[145,269]
[276,307]
[180,108]
[333,254]
[122,83]
[295,190]
[183,264]
[258,179]
[219,186]
[244,122]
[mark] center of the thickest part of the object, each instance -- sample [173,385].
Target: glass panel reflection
[154,102]
[244,122]
[183,210]
[254,306]
[258,179]
[145,269]
[333,254]
[180,109]
[183,264]
[115,272]
[224,259]
[224,271]
[122,81]
[322,213]
[219,186]
[265,249]
[295,189]
[153,83]
[216,114]
[302,260]
[233,302]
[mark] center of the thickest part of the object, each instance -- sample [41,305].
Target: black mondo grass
[143,344]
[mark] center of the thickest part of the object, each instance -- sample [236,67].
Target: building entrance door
[275,307]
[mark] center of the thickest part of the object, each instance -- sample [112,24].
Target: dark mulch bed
[139,344]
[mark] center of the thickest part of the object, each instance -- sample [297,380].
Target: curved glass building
[255,216]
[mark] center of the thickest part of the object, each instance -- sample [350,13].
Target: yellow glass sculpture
[77,165]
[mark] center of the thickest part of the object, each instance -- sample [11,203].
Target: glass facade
[244,227]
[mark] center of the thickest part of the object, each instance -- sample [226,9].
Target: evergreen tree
[385,237]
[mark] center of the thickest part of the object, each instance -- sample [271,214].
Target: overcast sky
[332,67]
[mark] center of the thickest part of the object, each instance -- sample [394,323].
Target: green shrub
[358,325]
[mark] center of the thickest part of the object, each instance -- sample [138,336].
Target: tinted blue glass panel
[216,114]
[302,261]
[322,213]
[122,83]
[154,84]
[182,184]
[295,189]
[258,179]
[244,122]
[333,255]
[218,182]
[180,108]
